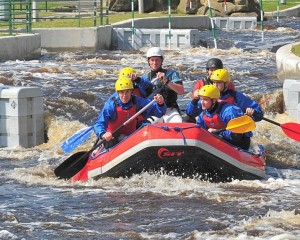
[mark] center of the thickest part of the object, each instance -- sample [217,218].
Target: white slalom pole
[170,35]
[212,24]
[190,4]
[132,24]
[261,20]
[225,5]
[278,10]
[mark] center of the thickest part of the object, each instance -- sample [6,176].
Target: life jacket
[169,95]
[201,82]
[215,121]
[231,97]
[136,92]
[206,81]
[122,116]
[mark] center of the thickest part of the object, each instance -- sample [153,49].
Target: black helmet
[214,63]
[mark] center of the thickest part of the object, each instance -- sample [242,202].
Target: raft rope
[177,129]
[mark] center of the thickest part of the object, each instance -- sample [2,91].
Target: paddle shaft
[268,120]
[71,167]
[292,130]
[124,124]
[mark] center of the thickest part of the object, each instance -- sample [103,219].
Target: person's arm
[249,106]
[201,122]
[176,87]
[194,108]
[227,113]
[172,80]
[107,114]
[143,84]
[157,109]
[199,84]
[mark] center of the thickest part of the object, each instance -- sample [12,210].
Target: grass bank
[271,6]
[296,50]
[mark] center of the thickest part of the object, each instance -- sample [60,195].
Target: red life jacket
[214,121]
[206,81]
[122,116]
[230,99]
[136,92]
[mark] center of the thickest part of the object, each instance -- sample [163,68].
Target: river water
[35,205]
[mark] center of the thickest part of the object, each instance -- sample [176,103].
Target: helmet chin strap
[213,104]
[225,87]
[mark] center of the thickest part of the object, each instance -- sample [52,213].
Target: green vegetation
[51,19]
[88,22]
[271,5]
[296,50]
[268,6]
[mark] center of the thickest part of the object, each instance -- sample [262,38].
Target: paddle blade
[241,124]
[76,139]
[72,165]
[292,130]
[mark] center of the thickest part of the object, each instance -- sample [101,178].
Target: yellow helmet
[123,83]
[210,91]
[220,75]
[125,72]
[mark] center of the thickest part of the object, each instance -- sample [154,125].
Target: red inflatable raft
[179,149]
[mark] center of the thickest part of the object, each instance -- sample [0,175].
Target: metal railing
[15,16]
[22,15]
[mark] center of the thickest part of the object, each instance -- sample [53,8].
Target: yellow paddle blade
[241,124]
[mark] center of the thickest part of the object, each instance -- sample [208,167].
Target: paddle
[240,124]
[76,139]
[292,130]
[80,136]
[77,161]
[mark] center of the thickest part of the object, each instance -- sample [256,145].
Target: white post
[35,11]
[170,35]
[132,23]
[212,24]
[141,6]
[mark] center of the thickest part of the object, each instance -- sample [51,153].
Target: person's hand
[195,95]
[249,111]
[212,130]
[162,77]
[159,99]
[133,76]
[107,136]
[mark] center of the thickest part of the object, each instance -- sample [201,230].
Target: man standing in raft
[167,83]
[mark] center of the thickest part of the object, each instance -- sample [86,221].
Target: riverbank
[290,12]
[28,46]
[288,64]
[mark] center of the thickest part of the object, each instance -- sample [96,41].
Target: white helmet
[155,52]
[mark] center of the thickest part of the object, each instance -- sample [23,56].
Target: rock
[234,8]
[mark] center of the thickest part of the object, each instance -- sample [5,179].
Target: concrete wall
[182,22]
[288,64]
[21,47]
[95,38]
[62,39]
